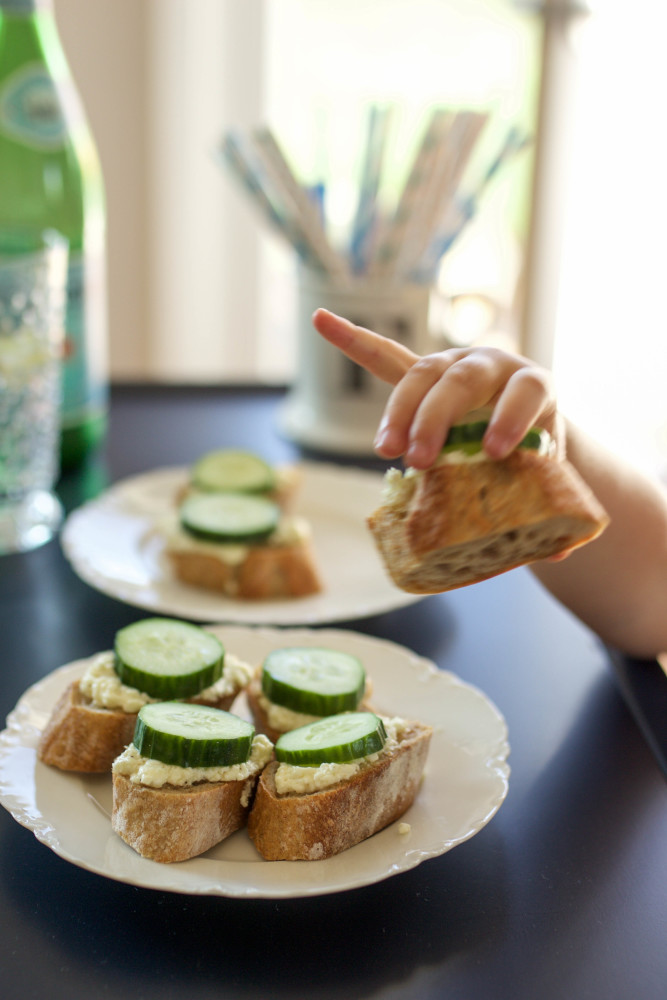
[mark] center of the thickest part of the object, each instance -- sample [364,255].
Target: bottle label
[85,366]
[30,109]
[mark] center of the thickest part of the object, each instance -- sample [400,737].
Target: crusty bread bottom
[81,737]
[465,523]
[173,824]
[320,824]
[267,572]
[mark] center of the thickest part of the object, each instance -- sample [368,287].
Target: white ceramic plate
[465,782]
[114,543]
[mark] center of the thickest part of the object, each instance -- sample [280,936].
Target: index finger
[381,356]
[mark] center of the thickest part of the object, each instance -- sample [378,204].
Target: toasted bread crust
[173,824]
[79,736]
[465,523]
[267,572]
[320,824]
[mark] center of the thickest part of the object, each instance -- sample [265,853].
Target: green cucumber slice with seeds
[167,659]
[313,680]
[232,471]
[468,438]
[190,735]
[334,740]
[236,518]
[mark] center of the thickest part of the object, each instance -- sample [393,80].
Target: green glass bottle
[50,177]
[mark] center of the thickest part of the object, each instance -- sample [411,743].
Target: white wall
[105,41]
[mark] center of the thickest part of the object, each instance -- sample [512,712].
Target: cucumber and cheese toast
[243,546]
[298,684]
[186,781]
[155,659]
[235,470]
[336,782]
[468,517]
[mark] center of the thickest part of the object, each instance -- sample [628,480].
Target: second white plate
[115,545]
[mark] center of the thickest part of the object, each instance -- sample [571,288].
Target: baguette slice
[463,523]
[320,824]
[79,736]
[172,823]
[266,572]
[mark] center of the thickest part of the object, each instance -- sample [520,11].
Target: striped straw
[238,157]
[364,226]
[462,210]
[302,208]
[419,177]
[453,158]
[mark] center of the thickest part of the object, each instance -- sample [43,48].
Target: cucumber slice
[230,471]
[229,517]
[536,438]
[468,438]
[313,680]
[167,658]
[466,433]
[192,735]
[333,740]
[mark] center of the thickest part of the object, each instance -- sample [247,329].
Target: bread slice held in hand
[469,518]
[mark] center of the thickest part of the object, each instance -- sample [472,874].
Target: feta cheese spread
[104,688]
[155,774]
[298,780]
[290,531]
[236,674]
[283,719]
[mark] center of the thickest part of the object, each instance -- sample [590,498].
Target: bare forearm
[617,584]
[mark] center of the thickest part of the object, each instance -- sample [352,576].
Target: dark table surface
[562,895]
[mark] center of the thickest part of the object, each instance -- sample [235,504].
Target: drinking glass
[33,283]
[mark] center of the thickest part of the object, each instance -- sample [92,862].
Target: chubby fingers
[434,392]
[385,358]
[527,398]
[441,388]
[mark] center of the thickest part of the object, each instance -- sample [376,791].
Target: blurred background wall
[200,292]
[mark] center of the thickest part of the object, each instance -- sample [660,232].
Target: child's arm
[617,584]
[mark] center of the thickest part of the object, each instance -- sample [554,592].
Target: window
[200,292]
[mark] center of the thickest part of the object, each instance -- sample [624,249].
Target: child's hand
[433,392]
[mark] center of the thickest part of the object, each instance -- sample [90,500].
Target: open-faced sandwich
[155,659]
[336,782]
[300,684]
[243,546]
[468,517]
[232,470]
[186,781]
